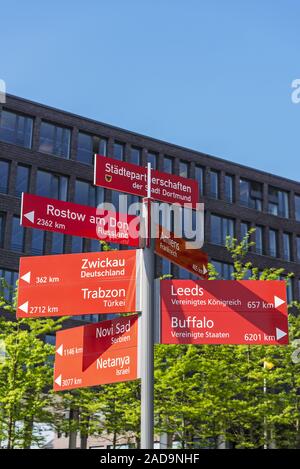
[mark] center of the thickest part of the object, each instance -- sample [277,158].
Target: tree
[208,394]
[247,396]
[25,375]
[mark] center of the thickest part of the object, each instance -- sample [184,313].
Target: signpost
[222,312]
[147,334]
[106,352]
[187,312]
[132,179]
[178,251]
[76,284]
[78,220]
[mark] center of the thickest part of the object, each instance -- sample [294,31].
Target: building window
[152,158]
[183,169]
[37,242]
[115,200]
[297,207]
[214,184]
[248,274]
[2,227]
[273,243]
[51,185]
[259,242]
[183,273]
[85,148]
[87,145]
[4,176]
[118,151]
[289,288]
[87,194]
[92,317]
[77,244]
[168,165]
[10,278]
[95,245]
[244,229]
[298,248]
[166,266]
[199,172]
[57,243]
[221,227]
[224,269]
[229,188]
[22,179]
[131,199]
[278,202]
[289,291]
[102,146]
[16,129]
[55,140]
[135,156]
[50,339]
[17,235]
[287,246]
[251,194]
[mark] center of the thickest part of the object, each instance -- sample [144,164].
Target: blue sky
[211,75]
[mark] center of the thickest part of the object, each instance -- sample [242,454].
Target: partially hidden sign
[102,353]
[179,251]
[132,179]
[222,312]
[79,220]
[76,284]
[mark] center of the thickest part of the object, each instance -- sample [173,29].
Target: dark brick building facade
[50,152]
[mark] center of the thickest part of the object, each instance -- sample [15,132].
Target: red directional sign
[178,251]
[75,284]
[223,312]
[127,177]
[106,352]
[79,220]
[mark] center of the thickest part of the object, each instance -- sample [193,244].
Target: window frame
[8,163]
[13,246]
[18,115]
[2,228]
[255,197]
[214,194]
[231,198]
[61,194]
[85,134]
[296,202]
[56,126]
[201,180]
[278,202]
[120,145]
[287,256]
[271,230]
[187,167]
[155,158]
[223,235]
[28,168]
[259,229]
[139,153]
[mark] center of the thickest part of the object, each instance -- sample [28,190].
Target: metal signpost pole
[147,333]
[265,419]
